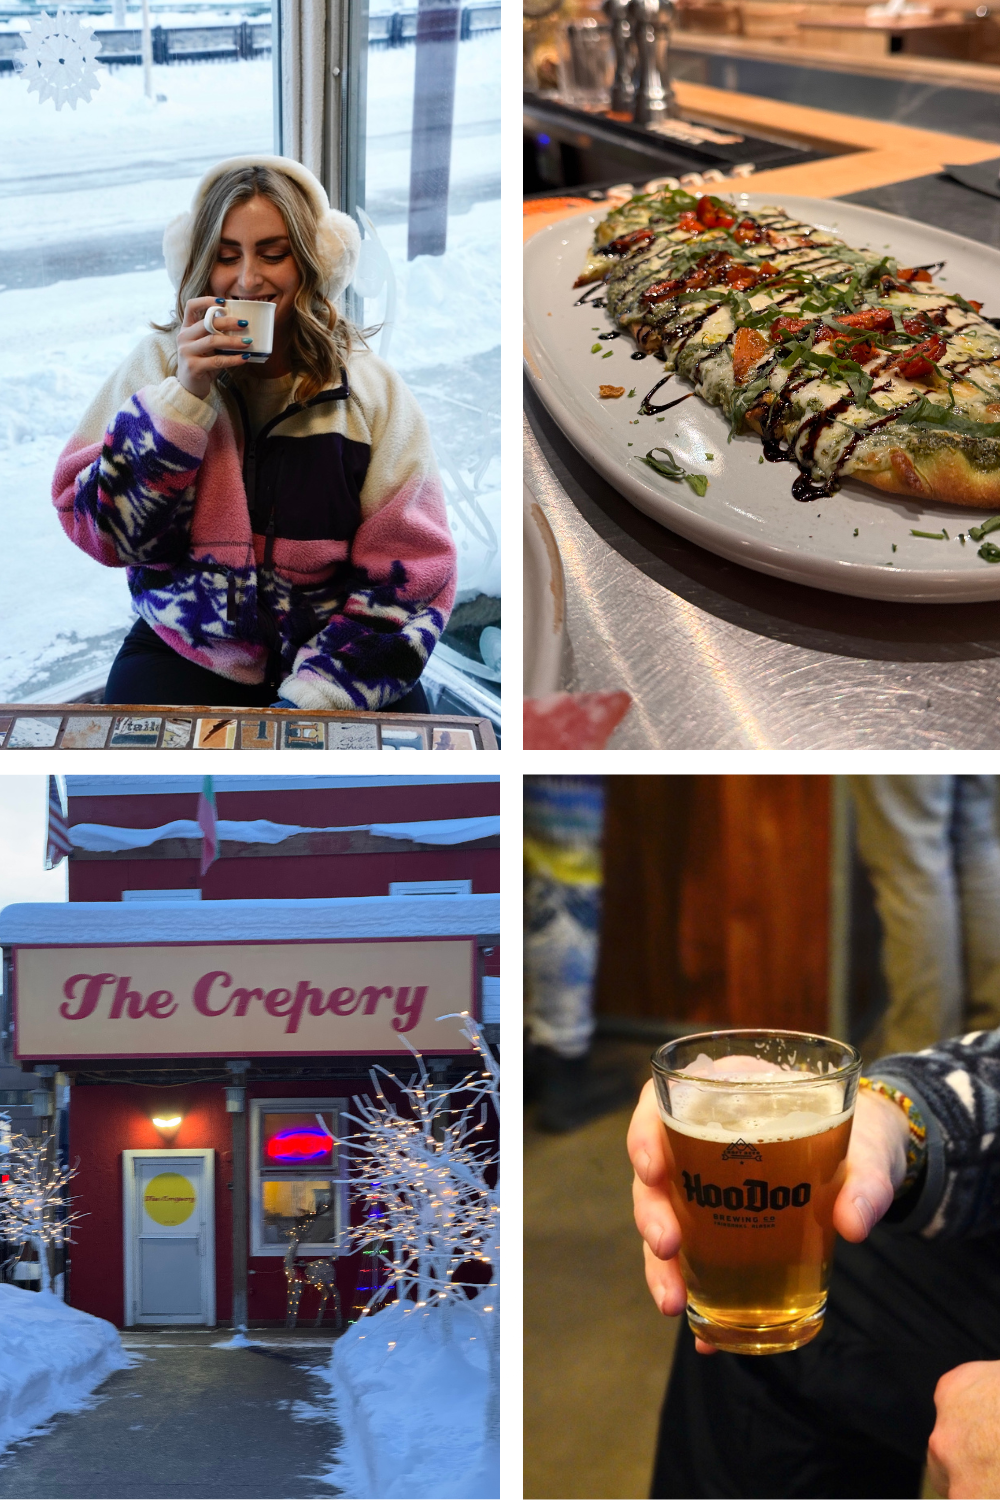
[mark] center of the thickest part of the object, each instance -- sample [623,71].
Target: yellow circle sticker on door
[169,1199]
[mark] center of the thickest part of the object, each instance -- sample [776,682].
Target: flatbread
[844,362]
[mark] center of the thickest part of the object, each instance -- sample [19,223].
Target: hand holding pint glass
[745,1166]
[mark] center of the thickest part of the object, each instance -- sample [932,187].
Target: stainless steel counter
[716,656]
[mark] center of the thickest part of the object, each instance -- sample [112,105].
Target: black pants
[848,1415]
[147,670]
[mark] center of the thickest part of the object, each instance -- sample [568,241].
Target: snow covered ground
[410,1398]
[51,1358]
[84,198]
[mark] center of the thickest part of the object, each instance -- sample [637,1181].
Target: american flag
[206,822]
[57,839]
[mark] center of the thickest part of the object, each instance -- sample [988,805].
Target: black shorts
[849,1414]
[147,670]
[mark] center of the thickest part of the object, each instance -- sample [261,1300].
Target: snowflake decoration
[60,59]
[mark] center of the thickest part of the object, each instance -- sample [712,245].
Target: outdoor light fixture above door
[167,1126]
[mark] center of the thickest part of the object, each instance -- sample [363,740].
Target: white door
[169,1235]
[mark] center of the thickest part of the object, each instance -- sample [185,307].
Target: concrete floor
[189,1420]
[596,1351]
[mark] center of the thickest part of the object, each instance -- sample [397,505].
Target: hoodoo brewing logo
[207,999]
[759,1195]
[741,1151]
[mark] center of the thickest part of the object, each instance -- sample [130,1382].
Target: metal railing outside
[244,39]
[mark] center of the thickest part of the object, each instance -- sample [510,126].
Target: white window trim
[299,1105]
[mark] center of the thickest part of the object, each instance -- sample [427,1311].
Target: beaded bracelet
[916,1151]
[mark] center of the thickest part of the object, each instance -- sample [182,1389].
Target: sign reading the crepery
[242,999]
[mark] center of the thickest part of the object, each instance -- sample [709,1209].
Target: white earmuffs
[338,238]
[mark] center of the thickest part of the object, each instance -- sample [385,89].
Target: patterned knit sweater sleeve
[401,584]
[124,486]
[956,1087]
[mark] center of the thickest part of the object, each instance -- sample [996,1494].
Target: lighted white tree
[425,1177]
[34,1203]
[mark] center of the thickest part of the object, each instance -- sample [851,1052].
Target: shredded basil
[671,469]
[927,413]
[978,532]
[989,553]
[932,536]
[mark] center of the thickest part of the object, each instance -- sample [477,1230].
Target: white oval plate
[748,514]
[544,603]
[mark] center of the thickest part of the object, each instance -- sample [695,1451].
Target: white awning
[63,924]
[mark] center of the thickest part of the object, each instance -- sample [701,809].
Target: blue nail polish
[244,323]
[246,356]
[247,339]
[220,301]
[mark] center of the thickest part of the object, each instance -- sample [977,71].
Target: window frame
[259,1174]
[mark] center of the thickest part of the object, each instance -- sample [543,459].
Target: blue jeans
[931,847]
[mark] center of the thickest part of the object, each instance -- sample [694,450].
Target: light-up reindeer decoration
[317,1273]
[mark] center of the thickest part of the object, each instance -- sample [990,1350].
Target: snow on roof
[105,837]
[65,924]
[153,786]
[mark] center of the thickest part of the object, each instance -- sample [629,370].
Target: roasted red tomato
[627,244]
[660,291]
[748,232]
[916,363]
[740,277]
[748,346]
[911,274]
[879,318]
[787,327]
[690,221]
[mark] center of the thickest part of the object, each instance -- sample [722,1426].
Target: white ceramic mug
[260,324]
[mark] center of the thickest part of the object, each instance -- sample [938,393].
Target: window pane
[85,195]
[431,274]
[297,1140]
[306,1205]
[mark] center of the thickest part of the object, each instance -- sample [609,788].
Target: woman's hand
[200,354]
[876,1166]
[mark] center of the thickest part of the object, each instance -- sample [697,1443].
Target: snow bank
[410,1398]
[51,1358]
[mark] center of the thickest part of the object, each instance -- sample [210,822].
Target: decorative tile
[401,739]
[176,734]
[258,734]
[304,734]
[453,739]
[343,735]
[85,734]
[135,733]
[215,734]
[34,734]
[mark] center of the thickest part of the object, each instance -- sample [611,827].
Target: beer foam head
[781,1103]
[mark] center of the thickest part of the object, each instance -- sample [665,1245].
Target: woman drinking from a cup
[268,483]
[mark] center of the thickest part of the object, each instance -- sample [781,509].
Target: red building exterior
[113,1102]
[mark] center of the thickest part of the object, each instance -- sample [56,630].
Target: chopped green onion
[933,536]
[978,532]
[989,553]
[595,348]
[607,354]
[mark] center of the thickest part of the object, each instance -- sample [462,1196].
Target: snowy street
[189,1419]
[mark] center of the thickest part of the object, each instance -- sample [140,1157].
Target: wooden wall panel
[716,900]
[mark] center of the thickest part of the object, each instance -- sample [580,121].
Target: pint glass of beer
[757,1125]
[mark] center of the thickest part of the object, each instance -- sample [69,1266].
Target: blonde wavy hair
[320,339]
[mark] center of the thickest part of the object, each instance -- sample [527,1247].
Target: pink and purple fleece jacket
[317,556]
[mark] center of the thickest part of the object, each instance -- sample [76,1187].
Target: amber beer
[756,1162]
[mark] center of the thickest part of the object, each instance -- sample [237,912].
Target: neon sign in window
[297,1140]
